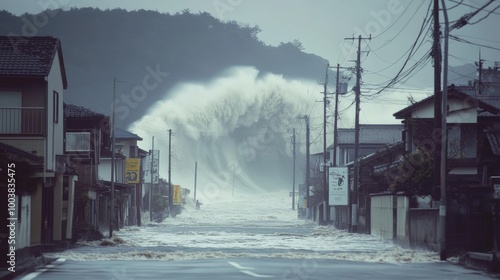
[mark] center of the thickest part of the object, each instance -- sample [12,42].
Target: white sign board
[496,191]
[156,167]
[338,187]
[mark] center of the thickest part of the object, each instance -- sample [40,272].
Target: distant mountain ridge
[150,52]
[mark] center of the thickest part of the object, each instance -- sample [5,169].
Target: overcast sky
[323,25]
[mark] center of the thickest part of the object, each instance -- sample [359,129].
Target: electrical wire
[458,4]
[404,27]
[461,75]
[470,6]
[478,38]
[471,43]
[413,49]
[484,17]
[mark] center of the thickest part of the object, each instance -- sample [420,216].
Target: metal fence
[24,121]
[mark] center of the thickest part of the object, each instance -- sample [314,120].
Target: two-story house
[87,140]
[468,122]
[472,158]
[127,186]
[32,84]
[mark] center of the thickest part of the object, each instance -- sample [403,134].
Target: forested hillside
[99,45]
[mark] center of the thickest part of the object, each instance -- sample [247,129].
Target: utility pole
[170,191]
[354,203]
[150,197]
[112,206]
[436,51]
[335,125]
[325,173]
[444,153]
[195,175]
[336,116]
[293,180]
[480,82]
[308,163]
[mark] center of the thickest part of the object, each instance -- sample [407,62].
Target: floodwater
[255,226]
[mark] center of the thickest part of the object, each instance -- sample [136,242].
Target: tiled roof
[78,112]
[123,134]
[491,98]
[9,149]
[28,56]
[371,134]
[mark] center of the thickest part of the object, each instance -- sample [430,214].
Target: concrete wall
[389,218]
[402,234]
[423,224]
[381,216]
[23,227]
[392,219]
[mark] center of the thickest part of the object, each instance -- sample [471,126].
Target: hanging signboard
[495,181]
[132,170]
[338,189]
[177,195]
[154,167]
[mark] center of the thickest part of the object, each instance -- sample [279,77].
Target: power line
[461,75]
[478,38]
[489,13]
[412,51]
[458,4]
[341,51]
[471,43]
[470,6]
[404,27]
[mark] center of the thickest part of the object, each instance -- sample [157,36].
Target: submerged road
[250,268]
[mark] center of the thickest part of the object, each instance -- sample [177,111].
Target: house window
[78,141]
[55,106]
[462,141]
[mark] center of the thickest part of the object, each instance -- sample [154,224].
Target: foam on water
[241,227]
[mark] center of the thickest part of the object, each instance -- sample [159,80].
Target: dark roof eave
[61,64]
[452,91]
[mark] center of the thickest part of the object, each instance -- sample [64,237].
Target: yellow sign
[177,198]
[132,170]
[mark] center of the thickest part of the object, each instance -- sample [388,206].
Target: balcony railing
[22,121]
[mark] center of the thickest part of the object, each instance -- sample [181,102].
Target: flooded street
[255,226]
